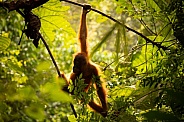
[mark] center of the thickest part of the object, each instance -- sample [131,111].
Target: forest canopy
[137,44]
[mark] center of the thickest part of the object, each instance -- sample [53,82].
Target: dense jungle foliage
[144,72]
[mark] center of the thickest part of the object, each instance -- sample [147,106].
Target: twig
[130,29]
[148,94]
[53,60]
[125,56]
[57,68]
[73,109]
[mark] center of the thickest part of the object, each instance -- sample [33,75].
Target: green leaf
[72,118]
[148,58]
[160,3]
[117,44]
[153,5]
[44,66]
[121,44]
[126,91]
[52,19]
[54,92]
[25,93]
[4,43]
[158,115]
[35,111]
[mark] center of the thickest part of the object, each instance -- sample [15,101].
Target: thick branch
[23,4]
[130,29]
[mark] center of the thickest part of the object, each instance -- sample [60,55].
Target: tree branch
[53,60]
[33,4]
[28,6]
[23,4]
[130,29]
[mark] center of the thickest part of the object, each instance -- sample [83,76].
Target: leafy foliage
[4,42]
[144,81]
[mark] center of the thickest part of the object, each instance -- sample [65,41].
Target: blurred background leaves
[145,82]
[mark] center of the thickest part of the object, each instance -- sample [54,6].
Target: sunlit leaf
[44,66]
[72,118]
[148,57]
[54,92]
[123,92]
[4,43]
[52,19]
[160,3]
[153,5]
[20,79]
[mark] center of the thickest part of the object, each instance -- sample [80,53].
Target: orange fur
[83,65]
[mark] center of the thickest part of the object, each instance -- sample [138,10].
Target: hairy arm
[72,77]
[83,29]
[102,95]
[65,88]
[101,91]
